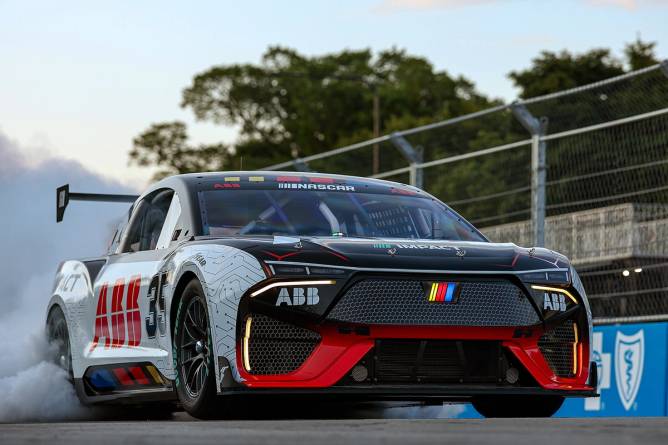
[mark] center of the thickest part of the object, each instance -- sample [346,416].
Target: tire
[193,354]
[58,335]
[518,406]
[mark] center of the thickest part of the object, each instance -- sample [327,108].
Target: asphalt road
[182,429]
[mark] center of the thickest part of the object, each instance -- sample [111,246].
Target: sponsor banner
[632,372]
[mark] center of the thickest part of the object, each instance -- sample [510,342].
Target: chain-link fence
[582,171]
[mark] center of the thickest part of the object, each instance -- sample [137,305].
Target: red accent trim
[227,185]
[402,191]
[338,255]
[517,257]
[139,375]
[440,291]
[322,180]
[133,316]
[338,353]
[282,257]
[101,321]
[118,315]
[288,179]
[123,377]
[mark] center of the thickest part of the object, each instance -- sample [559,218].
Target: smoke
[31,247]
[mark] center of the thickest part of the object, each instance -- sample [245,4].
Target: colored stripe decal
[322,180]
[123,377]
[155,374]
[441,292]
[289,179]
[450,292]
[432,294]
[138,375]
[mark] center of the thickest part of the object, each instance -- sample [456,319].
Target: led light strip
[575,349]
[556,289]
[291,283]
[247,333]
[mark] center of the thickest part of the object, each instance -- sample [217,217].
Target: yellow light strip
[556,289]
[247,333]
[232,179]
[432,294]
[291,283]
[575,349]
[256,178]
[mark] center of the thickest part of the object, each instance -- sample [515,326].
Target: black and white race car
[221,286]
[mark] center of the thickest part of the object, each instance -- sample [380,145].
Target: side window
[146,222]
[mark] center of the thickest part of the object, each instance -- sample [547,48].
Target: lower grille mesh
[557,348]
[276,347]
[435,361]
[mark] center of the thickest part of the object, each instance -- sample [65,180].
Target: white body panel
[224,272]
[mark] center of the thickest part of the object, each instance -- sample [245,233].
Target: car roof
[191,181]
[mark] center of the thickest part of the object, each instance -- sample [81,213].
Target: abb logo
[117,325]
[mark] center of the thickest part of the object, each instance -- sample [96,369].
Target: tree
[165,145]
[291,105]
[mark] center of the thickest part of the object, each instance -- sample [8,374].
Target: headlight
[550,277]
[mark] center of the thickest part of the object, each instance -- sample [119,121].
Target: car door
[128,324]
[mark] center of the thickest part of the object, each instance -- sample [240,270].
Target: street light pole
[376,129]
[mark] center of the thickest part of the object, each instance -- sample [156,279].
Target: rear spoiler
[63,197]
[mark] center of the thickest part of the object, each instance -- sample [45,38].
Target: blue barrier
[632,364]
[633,372]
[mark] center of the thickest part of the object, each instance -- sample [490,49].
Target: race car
[219,287]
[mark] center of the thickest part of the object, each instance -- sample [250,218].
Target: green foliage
[165,145]
[291,105]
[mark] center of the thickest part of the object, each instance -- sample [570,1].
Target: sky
[79,79]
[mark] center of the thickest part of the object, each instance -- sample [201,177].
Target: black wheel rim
[194,348]
[59,338]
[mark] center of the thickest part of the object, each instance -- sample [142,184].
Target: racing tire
[193,354]
[58,336]
[518,406]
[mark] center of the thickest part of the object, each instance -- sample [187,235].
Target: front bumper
[342,347]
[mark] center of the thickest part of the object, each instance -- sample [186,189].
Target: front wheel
[193,353]
[518,406]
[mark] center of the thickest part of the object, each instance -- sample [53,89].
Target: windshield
[327,213]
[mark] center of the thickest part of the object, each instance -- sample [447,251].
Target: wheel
[193,351]
[58,336]
[518,406]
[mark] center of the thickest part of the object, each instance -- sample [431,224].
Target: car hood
[413,255]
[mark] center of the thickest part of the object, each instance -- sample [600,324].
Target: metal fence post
[414,157]
[537,128]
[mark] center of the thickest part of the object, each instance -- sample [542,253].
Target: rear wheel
[518,406]
[193,351]
[59,338]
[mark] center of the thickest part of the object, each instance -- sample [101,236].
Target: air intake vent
[558,346]
[276,347]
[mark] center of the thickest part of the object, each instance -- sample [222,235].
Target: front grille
[404,302]
[399,361]
[276,347]
[557,348]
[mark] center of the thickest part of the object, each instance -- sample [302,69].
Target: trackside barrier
[632,364]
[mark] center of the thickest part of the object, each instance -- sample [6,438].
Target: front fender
[225,274]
